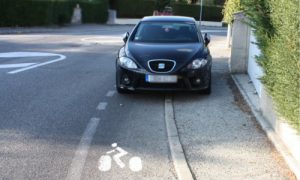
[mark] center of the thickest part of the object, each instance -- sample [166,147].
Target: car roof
[168,19]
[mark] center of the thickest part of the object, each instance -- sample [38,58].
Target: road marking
[135,164]
[31,54]
[25,54]
[4,66]
[104,39]
[61,57]
[79,159]
[181,166]
[110,93]
[102,106]
[104,162]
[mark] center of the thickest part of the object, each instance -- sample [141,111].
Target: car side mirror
[125,37]
[206,39]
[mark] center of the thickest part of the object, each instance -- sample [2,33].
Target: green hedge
[49,12]
[141,8]
[276,25]
[94,12]
[135,8]
[213,2]
[231,7]
[209,13]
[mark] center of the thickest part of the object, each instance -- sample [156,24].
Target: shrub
[135,8]
[49,12]
[276,25]
[209,13]
[94,12]
[182,1]
[230,7]
[219,2]
[161,4]
[141,8]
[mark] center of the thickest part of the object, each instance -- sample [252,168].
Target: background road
[58,119]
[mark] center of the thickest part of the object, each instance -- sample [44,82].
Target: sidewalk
[284,138]
[220,137]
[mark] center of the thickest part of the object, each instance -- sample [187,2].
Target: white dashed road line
[181,166]
[78,161]
[110,93]
[102,106]
[81,153]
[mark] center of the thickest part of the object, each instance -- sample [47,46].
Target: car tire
[120,90]
[208,89]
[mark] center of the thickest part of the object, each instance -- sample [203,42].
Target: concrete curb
[181,166]
[271,134]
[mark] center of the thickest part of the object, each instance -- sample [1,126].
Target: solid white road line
[110,93]
[102,106]
[3,66]
[78,161]
[61,57]
[25,54]
[181,166]
[31,54]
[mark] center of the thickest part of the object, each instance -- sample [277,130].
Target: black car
[164,53]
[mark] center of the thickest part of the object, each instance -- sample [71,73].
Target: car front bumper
[135,80]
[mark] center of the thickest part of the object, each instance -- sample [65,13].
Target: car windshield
[166,32]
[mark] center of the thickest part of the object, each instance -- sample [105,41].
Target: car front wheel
[208,89]
[119,89]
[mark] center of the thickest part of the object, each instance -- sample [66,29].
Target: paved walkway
[220,137]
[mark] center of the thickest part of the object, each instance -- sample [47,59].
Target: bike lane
[136,123]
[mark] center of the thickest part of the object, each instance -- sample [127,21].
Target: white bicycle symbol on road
[104,163]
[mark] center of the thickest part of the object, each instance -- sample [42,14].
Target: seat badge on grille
[161,66]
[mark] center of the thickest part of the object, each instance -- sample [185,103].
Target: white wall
[254,70]
[240,45]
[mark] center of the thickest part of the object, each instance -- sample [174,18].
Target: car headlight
[127,63]
[197,63]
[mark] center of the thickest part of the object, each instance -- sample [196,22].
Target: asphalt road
[59,113]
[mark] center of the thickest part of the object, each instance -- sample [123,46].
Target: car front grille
[161,65]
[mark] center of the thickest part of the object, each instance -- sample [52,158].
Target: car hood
[182,53]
